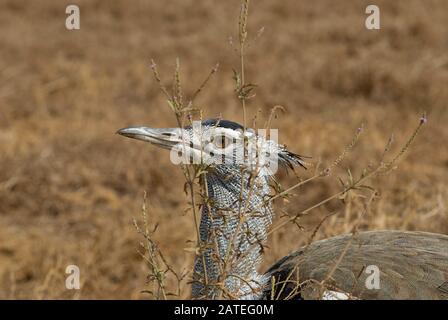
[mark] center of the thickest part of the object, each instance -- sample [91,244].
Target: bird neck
[233,229]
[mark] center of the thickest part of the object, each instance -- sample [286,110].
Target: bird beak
[162,137]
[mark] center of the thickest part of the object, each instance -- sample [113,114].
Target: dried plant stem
[382,167]
[242,37]
[182,111]
[158,265]
[347,246]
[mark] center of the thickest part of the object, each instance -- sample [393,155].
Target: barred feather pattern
[221,228]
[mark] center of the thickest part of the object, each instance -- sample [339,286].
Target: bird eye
[221,141]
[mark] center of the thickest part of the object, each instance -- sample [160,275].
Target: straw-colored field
[69,187]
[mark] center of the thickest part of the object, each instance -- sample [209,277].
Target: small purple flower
[423,119]
[360,129]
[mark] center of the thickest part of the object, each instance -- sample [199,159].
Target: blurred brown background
[69,187]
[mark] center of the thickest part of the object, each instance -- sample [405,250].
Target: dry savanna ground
[70,187]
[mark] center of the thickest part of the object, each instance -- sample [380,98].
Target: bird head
[216,142]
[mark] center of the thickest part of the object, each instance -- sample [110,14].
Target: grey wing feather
[412,265]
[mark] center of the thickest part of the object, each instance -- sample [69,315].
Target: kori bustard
[411,265]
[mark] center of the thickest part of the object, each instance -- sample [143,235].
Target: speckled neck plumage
[221,228]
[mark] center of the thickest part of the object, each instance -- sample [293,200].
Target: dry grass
[69,188]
